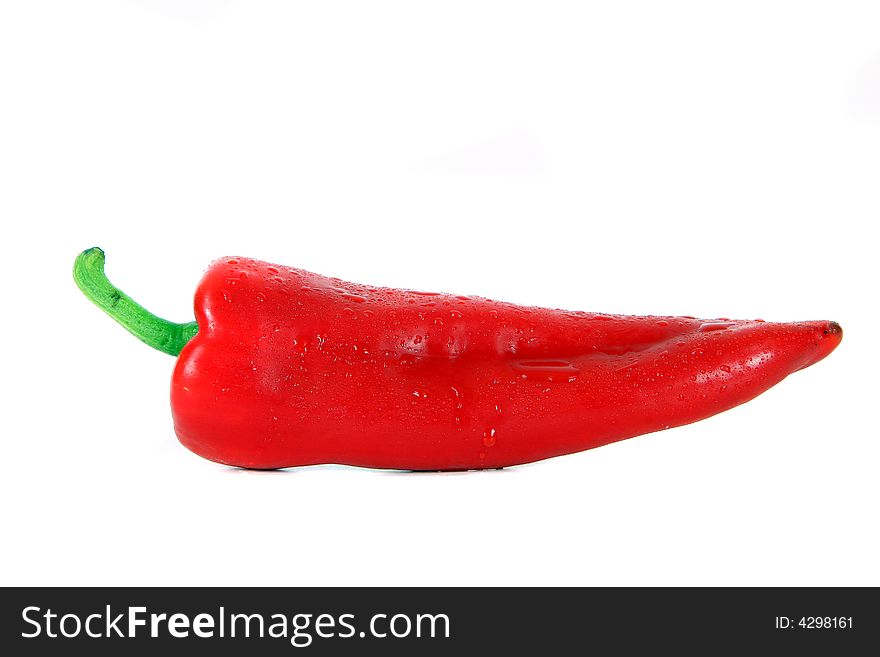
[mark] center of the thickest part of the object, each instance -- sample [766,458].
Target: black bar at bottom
[435,621]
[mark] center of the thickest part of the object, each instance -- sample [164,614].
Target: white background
[709,159]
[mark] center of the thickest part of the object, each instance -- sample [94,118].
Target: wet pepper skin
[291,368]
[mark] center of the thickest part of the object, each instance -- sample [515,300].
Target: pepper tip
[833,328]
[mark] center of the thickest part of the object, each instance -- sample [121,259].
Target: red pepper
[284,367]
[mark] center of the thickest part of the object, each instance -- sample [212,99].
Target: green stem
[88,272]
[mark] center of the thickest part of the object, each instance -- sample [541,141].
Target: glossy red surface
[292,368]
